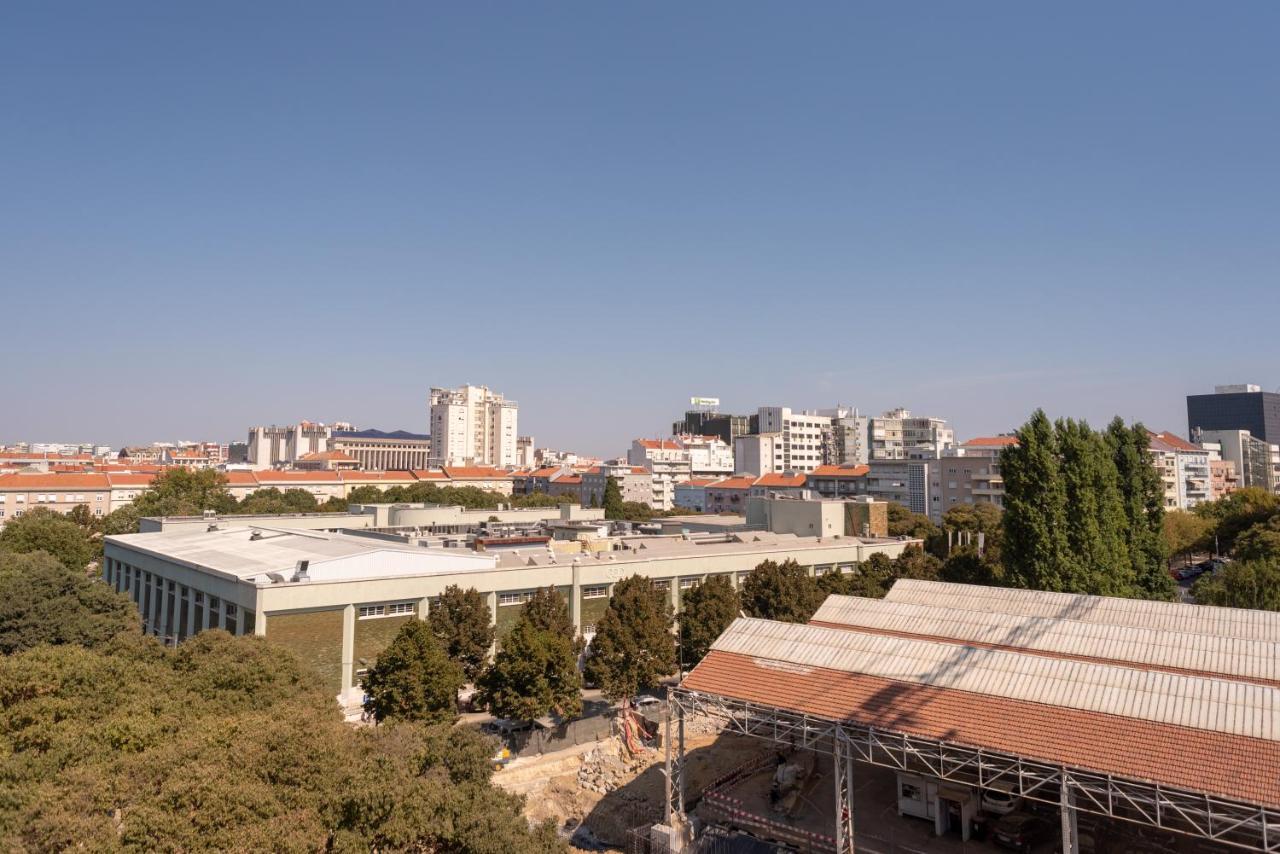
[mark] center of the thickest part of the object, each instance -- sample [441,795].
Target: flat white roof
[235,553]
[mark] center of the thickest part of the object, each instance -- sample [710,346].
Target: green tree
[186,492]
[1241,584]
[1260,541]
[461,622]
[121,521]
[548,611]
[367,494]
[965,522]
[413,679]
[43,530]
[780,591]
[1183,533]
[1235,513]
[637,511]
[1143,497]
[139,762]
[905,523]
[82,516]
[1035,511]
[541,499]
[535,672]
[705,612]
[613,508]
[1096,526]
[42,601]
[633,648]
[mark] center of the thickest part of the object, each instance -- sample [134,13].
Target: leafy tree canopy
[613,508]
[781,591]
[43,530]
[42,601]
[705,612]
[413,679]
[230,744]
[461,622]
[633,648]
[535,672]
[1241,584]
[186,492]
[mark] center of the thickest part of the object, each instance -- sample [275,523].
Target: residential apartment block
[1183,469]
[472,425]
[1256,463]
[898,435]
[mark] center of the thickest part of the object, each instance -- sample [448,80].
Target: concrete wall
[426,515]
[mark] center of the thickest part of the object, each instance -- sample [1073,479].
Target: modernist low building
[337,599]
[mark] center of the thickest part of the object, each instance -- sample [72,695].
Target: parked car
[1021,831]
[998,801]
[645,702]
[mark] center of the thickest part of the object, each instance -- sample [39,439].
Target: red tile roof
[428,474]
[62,480]
[475,473]
[991,442]
[119,480]
[336,456]
[567,480]
[1174,442]
[744,482]
[660,444]
[1198,760]
[848,470]
[780,479]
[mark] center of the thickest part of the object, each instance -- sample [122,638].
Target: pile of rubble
[605,769]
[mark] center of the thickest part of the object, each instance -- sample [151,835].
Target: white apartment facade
[1184,470]
[804,438]
[473,425]
[898,435]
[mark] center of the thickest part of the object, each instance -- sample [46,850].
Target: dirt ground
[608,792]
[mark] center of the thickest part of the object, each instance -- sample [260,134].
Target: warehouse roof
[1138,613]
[249,553]
[1238,658]
[1199,734]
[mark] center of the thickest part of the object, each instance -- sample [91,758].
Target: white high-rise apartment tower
[472,425]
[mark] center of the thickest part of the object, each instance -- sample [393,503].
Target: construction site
[950,718]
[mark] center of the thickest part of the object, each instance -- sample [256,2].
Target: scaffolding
[1242,825]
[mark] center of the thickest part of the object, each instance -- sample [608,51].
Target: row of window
[394,609]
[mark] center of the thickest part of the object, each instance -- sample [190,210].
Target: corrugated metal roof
[1210,654]
[1217,705]
[1137,613]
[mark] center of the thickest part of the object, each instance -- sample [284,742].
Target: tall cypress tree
[1097,528]
[1035,544]
[1143,498]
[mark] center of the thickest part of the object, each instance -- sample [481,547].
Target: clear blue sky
[214,215]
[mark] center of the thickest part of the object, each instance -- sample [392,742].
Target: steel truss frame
[1236,823]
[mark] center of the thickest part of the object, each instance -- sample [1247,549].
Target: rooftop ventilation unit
[255,535]
[300,571]
[275,577]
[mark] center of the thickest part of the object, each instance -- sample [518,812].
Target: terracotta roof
[241,478]
[1203,735]
[848,470]
[660,444]
[475,473]
[780,479]
[545,471]
[118,480]
[375,476]
[567,480]
[1176,443]
[428,474]
[269,477]
[991,442]
[743,482]
[697,481]
[67,480]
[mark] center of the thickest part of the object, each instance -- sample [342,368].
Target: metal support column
[1067,812]
[842,772]
[678,769]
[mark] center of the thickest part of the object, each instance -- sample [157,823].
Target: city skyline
[221,217]
[599,443]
